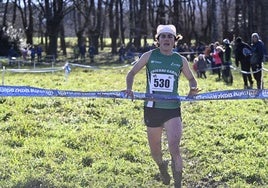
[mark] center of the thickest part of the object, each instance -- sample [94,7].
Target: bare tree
[131,20]
[151,16]
[202,24]
[4,23]
[122,25]
[194,19]
[214,28]
[236,25]
[62,40]
[114,23]
[99,24]
[140,23]
[80,19]
[176,14]
[189,17]
[26,12]
[94,24]
[88,17]
[103,23]
[14,15]
[54,12]
[264,22]
[161,13]
[225,14]
[143,21]
[243,19]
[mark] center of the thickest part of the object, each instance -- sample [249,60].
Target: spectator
[209,50]
[24,53]
[218,58]
[12,52]
[82,51]
[33,52]
[185,51]
[131,52]
[146,48]
[195,66]
[191,51]
[242,57]
[201,66]
[226,72]
[122,52]
[257,59]
[39,51]
[12,55]
[76,52]
[91,51]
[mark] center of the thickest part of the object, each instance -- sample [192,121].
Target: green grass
[79,142]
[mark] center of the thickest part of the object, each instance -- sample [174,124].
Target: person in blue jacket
[257,58]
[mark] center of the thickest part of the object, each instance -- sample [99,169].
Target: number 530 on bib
[162,82]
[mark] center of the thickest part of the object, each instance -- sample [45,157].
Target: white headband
[166,29]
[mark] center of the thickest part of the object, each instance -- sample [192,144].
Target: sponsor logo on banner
[253,93]
[265,93]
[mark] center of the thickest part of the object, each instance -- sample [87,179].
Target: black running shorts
[156,117]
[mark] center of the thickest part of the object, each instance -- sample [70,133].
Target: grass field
[80,142]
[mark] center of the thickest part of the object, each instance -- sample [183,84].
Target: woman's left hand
[193,91]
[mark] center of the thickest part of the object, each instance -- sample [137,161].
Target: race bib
[162,82]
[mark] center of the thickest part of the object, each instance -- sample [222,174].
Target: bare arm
[136,68]
[190,77]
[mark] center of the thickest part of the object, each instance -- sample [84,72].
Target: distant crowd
[32,51]
[215,57]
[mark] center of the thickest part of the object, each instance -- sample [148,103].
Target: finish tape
[28,91]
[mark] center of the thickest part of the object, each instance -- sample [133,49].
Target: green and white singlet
[163,72]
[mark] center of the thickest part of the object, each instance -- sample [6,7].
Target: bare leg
[154,138]
[174,133]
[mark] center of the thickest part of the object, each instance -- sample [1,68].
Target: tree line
[91,21]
